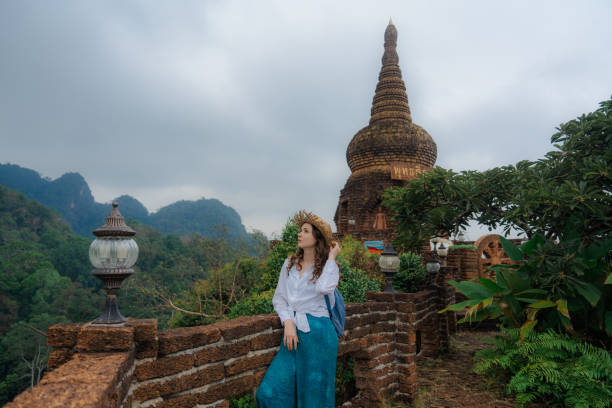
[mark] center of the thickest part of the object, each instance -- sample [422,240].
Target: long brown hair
[321,251]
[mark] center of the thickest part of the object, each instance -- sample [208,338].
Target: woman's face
[306,238]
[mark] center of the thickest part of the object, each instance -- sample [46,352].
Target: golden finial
[390,21]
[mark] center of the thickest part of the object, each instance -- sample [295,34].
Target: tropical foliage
[551,367]
[561,283]
[544,291]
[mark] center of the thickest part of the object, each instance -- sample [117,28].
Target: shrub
[254,304]
[462,246]
[354,283]
[551,367]
[359,257]
[285,247]
[555,284]
[412,274]
[244,401]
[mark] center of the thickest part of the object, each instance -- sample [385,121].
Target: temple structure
[387,152]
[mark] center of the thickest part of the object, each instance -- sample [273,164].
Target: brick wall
[466,262]
[137,366]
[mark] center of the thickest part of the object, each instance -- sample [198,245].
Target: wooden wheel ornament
[489,252]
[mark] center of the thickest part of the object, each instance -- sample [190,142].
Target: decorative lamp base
[111,314]
[111,279]
[389,279]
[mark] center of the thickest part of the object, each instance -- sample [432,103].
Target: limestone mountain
[71,196]
[208,217]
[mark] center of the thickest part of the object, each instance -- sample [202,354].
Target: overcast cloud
[255,102]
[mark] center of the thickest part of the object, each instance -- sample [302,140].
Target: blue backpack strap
[340,312]
[337,314]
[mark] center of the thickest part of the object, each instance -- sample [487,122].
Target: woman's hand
[290,339]
[334,250]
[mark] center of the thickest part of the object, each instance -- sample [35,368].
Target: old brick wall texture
[466,262]
[137,366]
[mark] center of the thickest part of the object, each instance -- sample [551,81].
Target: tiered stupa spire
[390,100]
[390,150]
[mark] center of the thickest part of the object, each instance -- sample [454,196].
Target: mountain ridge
[71,196]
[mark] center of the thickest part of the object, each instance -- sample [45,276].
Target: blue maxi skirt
[303,378]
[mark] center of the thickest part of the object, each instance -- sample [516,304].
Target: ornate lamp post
[113,253]
[389,263]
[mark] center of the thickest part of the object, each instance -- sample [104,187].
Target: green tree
[531,197]
[282,249]
[561,202]
[23,355]
[561,280]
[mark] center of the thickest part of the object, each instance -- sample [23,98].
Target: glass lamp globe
[433,266]
[389,261]
[442,251]
[113,252]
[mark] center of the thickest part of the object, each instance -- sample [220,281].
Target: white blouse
[295,296]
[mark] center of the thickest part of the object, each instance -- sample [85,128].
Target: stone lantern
[113,253]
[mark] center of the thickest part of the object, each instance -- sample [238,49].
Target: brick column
[405,338]
[375,362]
[447,321]
[446,297]
[385,365]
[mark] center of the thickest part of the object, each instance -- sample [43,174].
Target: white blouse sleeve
[328,280]
[279,300]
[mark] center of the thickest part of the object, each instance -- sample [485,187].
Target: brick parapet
[136,366]
[86,380]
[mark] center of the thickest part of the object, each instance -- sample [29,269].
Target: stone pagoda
[387,152]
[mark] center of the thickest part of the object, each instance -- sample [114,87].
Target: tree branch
[180,309]
[37,331]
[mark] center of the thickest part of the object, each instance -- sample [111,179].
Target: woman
[303,372]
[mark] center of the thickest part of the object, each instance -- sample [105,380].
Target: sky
[255,102]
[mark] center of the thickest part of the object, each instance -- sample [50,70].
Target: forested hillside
[71,196]
[45,279]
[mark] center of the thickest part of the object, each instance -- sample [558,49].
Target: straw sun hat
[304,216]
